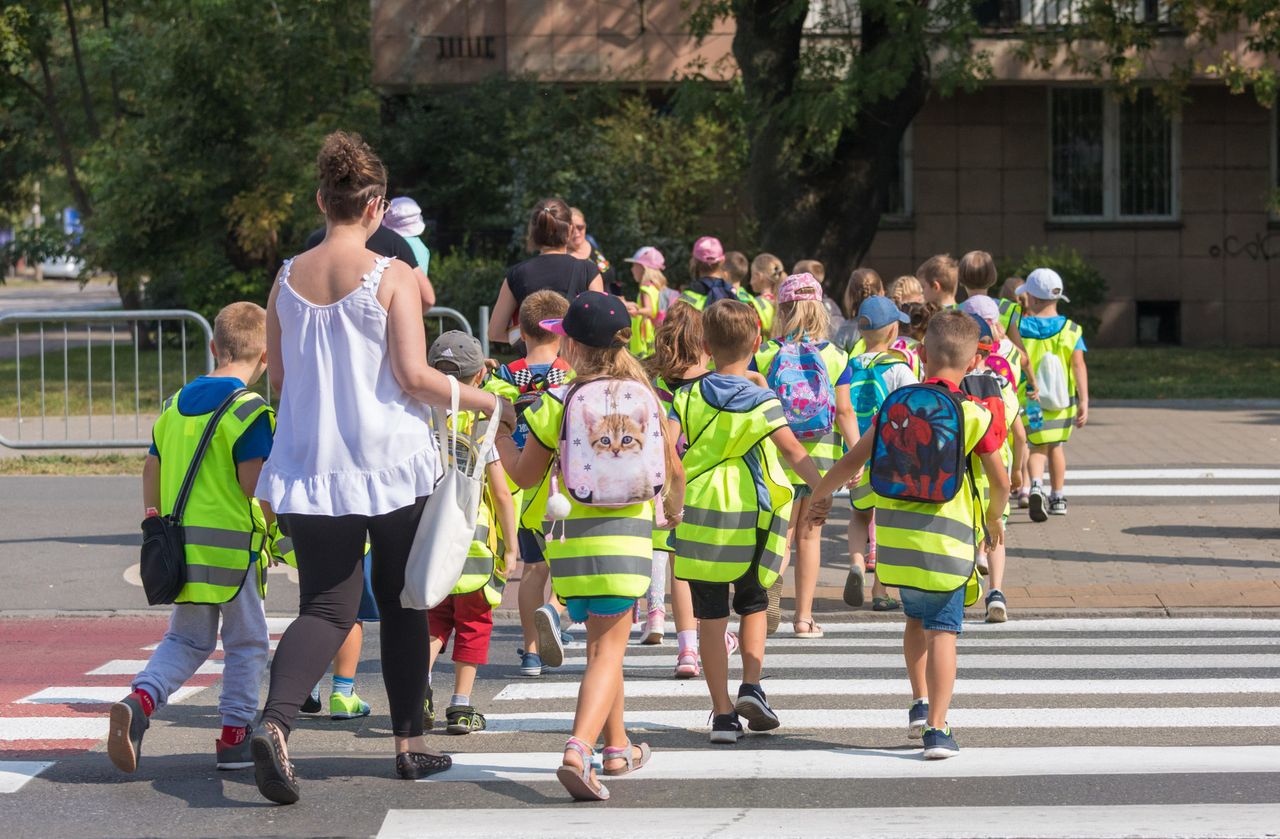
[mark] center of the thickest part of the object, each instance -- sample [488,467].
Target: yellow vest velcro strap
[215,537]
[720,519]
[911,520]
[597,528]
[215,576]
[587,566]
[891,558]
[245,410]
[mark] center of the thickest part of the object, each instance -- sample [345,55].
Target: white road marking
[994,661]
[273,643]
[277,626]
[1204,474]
[1172,490]
[53,728]
[744,764]
[1158,821]
[524,691]
[95,695]
[14,774]
[1099,625]
[131,666]
[863,718]
[858,644]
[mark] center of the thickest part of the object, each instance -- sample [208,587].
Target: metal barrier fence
[98,379]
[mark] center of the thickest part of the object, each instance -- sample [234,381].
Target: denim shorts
[941,611]
[602,607]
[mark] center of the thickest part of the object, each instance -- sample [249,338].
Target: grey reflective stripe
[720,519]
[212,575]
[168,403]
[931,562]
[774,413]
[593,566]
[924,523]
[477,565]
[216,537]
[253,403]
[824,464]
[607,527]
[284,546]
[481,534]
[1055,425]
[706,552]
[496,583]
[860,492]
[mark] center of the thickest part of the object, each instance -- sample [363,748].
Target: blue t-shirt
[1032,327]
[204,395]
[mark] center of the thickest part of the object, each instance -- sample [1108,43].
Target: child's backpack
[798,374]
[612,449]
[1051,383]
[918,453]
[867,387]
[715,288]
[531,387]
[1002,367]
[909,348]
[983,387]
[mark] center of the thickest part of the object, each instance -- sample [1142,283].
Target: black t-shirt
[557,271]
[383,242]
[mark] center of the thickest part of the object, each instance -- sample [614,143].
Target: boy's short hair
[537,307]
[730,328]
[876,336]
[977,272]
[240,332]
[811,266]
[952,339]
[737,267]
[940,269]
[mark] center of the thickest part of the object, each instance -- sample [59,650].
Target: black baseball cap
[594,319]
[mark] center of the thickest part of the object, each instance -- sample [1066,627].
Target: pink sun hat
[708,249]
[799,287]
[649,257]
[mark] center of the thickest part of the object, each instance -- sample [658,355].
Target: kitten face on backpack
[616,434]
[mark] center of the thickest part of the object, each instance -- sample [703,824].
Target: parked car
[63,268]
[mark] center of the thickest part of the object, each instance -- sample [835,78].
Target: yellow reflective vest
[225,531]
[1057,425]
[644,326]
[485,555]
[737,496]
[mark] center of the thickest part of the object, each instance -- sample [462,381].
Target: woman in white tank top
[353,455]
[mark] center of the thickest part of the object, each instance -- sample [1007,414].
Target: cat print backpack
[918,453]
[612,452]
[799,376]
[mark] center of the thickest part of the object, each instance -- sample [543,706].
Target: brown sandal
[578,781]
[624,753]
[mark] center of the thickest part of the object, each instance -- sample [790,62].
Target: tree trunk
[116,103]
[826,207]
[90,115]
[65,153]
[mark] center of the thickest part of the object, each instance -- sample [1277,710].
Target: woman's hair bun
[350,174]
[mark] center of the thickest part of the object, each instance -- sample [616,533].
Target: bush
[1084,283]
[466,283]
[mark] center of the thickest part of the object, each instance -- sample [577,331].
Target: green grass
[1183,373]
[101,464]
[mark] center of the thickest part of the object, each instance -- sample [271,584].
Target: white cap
[404,216]
[1044,284]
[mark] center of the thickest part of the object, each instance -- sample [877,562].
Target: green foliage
[1084,283]
[1183,373]
[466,282]
[35,244]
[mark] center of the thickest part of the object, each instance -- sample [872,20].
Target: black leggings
[330,550]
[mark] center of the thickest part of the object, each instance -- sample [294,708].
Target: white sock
[920,699]
[687,640]
[460,699]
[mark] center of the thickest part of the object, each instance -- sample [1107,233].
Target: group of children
[700,434]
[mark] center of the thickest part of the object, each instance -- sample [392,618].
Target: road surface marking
[132,666]
[53,728]
[95,695]
[859,644]
[14,774]
[1100,625]
[973,661]
[1173,490]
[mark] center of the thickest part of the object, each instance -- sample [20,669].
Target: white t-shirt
[894,375]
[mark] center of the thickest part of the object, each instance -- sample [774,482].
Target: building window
[898,204]
[1111,160]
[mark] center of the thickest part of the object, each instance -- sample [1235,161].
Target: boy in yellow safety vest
[225,532]
[929,550]
[467,613]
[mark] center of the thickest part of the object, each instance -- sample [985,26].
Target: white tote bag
[448,522]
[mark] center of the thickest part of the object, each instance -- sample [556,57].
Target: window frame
[905,150]
[1111,214]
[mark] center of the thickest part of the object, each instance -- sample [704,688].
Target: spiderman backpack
[918,453]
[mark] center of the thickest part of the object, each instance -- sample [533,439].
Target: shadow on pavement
[1089,556]
[1202,532]
[114,539]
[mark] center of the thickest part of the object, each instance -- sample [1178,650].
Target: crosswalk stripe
[14,774]
[52,728]
[863,718]
[1100,626]
[884,763]
[92,695]
[1121,821]
[273,643]
[131,666]
[1013,642]
[1174,490]
[1210,474]
[277,626]
[525,691]
[974,661]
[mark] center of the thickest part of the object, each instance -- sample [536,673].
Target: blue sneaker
[550,645]
[917,719]
[939,744]
[530,664]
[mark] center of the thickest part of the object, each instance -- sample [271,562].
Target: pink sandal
[624,753]
[578,781]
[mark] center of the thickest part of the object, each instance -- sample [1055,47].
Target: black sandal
[414,765]
[272,770]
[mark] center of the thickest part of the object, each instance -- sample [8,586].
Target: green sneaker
[464,719]
[429,711]
[347,707]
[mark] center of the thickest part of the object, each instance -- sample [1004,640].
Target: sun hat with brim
[1044,284]
[649,257]
[982,306]
[594,319]
[799,287]
[404,216]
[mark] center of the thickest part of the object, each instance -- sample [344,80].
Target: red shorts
[471,617]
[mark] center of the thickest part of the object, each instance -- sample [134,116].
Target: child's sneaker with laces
[429,710]
[725,728]
[939,744]
[530,664]
[311,705]
[464,719]
[546,620]
[235,756]
[1038,505]
[343,707]
[1024,499]
[1058,505]
[754,708]
[687,665]
[124,738]
[917,719]
[997,609]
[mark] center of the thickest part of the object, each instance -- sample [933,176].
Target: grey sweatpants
[192,638]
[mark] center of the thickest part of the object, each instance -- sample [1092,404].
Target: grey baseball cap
[457,354]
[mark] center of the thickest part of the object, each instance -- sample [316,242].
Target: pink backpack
[612,451]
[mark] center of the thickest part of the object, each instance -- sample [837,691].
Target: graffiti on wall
[1263,246]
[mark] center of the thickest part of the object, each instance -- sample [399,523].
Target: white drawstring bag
[448,522]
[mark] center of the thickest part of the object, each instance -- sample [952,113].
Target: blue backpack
[867,387]
[918,453]
[715,289]
[798,374]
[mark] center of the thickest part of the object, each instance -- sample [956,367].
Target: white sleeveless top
[349,440]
